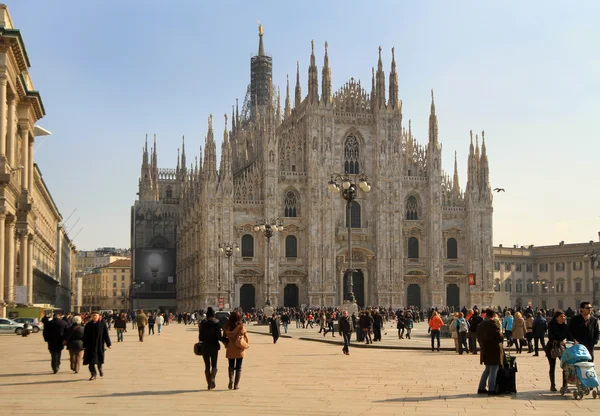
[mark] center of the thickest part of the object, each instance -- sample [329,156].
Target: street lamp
[228,249]
[593,257]
[135,286]
[268,228]
[349,184]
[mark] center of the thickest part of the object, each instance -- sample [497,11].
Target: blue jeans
[285,327]
[159,328]
[120,334]
[435,334]
[489,375]
[346,340]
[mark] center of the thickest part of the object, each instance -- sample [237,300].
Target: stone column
[23,259]
[2,253]
[11,131]
[3,80]
[25,158]
[9,271]
[30,175]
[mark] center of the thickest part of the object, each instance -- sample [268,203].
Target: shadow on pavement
[519,396]
[26,374]
[142,393]
[43,382]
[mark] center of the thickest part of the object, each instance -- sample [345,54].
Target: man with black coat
[95,336]
[584,327]
[345,327]
[274,324]
[539,328]
[377,325]
[490,338]
[54,335]
[474,322]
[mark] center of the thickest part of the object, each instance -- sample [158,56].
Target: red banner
[471,278]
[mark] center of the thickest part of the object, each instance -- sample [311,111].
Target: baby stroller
[579,372]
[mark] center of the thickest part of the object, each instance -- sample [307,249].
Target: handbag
[557,349]
[198,348]
[240,342]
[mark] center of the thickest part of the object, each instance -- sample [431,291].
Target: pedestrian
[160,320]
[584,327]
[274,327]
[435,324]
[285,321]
[453,332]
[54,335]
[558,332]
[151,322]
[141,322]
[345,330]
[366,323]
[518,332]
[529,333]
[539,328]
[408,323]
[474,322]
[235,330]
[120,327]
[490,340]
[377,325]
[462,329]
[507,326]
[401,326]
[210,335]
[74,343]
[95,337]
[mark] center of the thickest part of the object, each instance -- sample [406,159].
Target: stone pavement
[293,377]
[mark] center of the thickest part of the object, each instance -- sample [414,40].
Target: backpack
[463,326]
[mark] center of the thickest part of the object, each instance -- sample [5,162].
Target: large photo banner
[155,267]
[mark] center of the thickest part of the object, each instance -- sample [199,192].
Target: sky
[112,71]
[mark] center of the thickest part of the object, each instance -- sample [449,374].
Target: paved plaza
[161,376]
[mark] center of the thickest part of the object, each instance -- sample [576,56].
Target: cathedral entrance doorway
[413,295]
[358,282]
[290,296]
[453,296]
[247,297]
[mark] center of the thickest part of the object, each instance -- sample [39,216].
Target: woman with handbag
[558,332]
[209,336]
[74,343]
[236,346]
[518,332]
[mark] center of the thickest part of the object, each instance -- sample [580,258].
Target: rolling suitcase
[506,380]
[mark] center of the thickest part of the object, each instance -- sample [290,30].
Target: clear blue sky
[525,72]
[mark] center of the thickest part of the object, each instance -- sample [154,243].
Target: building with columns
[555,276]
[30,232]
[415,237]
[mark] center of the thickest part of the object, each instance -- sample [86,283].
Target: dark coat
[54,334]
[540,325]
[344,325]
[120,323]
[490,338]
[586,335]
[274,323]
[210,333]
[474,322]
[95,336]
[74,337]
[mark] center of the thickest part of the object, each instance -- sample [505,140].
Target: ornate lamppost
[349,184]
[593,256]
[228,249]
[268,228]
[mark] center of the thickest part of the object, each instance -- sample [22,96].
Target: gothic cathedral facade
[416,237]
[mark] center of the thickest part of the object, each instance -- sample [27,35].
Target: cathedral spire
[393,83]
[326,87]
[433,123]
[261,47]
[477,158]
[298,97]
[455,184]
[380,83]
[210,155]
[484,178]
[183,161]
[278,115]
[471,166]
[237,113]
[225,162]
[373,94]
[313,77]
[233,119]
[287,110]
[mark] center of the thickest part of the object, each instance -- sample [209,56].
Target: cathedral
[417,238]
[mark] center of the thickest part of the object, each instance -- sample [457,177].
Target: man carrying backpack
[462,328]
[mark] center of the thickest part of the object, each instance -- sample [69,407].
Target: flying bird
[499,190]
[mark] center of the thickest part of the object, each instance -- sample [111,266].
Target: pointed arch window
[291,204]
[412,208]
[169,192]
[354,221]
[247,246]
[351,155]
[291,247]
[413,248]
[452,248]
